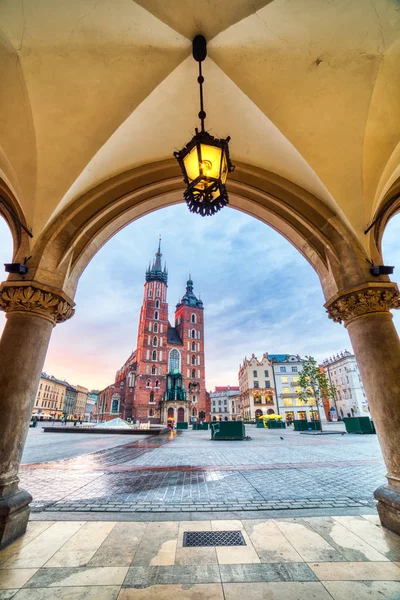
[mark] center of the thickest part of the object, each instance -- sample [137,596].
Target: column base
[388,507]
[14,515]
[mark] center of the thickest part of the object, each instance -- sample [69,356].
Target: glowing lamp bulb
[206,167]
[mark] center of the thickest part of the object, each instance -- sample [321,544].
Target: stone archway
[73,236]
[180,415]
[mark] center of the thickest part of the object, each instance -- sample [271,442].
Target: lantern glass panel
[210,160]
[191,162]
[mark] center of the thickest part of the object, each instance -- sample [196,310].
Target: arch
[170,413]
[155,327]
[193,318]
[156,315]
[153,369]
[157,385]
[181,415]
[148,383]
[270,411]
[157,304]
[154,355]
[174,360]
[193,360]
[193,346]
[152,396]
[321,235]
[258,413]
[193,373]
[193,334]
[155,341]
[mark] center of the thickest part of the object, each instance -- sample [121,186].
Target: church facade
[164,378]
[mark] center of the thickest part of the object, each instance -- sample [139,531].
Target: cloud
[259,295]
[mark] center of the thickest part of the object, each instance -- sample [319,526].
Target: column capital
[364,299]
[37,298]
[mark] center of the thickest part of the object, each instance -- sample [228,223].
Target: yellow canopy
[273,416]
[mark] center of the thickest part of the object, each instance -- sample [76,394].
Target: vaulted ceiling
[307,89]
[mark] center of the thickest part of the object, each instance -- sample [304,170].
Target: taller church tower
[152,342]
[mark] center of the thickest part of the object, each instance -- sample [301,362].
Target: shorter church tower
[189,324]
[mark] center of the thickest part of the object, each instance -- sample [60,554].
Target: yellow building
[50,397]
[257,390]
[81,400]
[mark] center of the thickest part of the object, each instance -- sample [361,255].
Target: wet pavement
[191,473]
[41,447]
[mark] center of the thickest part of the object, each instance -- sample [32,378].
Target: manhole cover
[213,538]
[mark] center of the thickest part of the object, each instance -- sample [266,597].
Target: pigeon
[281,438]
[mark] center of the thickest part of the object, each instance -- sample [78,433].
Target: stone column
[33,310]
[365,312]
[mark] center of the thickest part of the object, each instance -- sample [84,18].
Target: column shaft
[23,348]
[376,346]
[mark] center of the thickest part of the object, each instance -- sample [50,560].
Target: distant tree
[314,384]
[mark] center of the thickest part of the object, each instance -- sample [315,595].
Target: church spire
[156,272]
[189,299]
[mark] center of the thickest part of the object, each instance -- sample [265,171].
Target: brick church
[164,378]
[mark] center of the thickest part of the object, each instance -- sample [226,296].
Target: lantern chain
[202,114]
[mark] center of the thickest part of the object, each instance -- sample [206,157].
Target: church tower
[189,323]
[152,342]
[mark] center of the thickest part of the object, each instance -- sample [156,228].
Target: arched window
[174,360]
[158,288]
[156,315]
[193,360]
[157,383]
[193,319]
[155,341]
[193,346]
[153,370]
[194,334]
[151,412]
[155,328]
[194,373]
[150,290]
[148,383]
[154,355]
[151,396]
[157,304]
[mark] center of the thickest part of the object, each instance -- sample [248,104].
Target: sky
[260,295]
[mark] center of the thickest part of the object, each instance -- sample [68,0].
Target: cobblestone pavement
[191,473]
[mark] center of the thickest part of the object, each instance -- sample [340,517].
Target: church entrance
[181,415]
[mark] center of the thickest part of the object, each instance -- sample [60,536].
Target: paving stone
[266,572]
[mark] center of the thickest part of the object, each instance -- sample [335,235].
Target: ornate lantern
[204,161]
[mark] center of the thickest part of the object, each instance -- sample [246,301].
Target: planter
[359,425]
[276,425]
[260,424]
[182,425]
[228,430]
[300,424]
[314,425]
